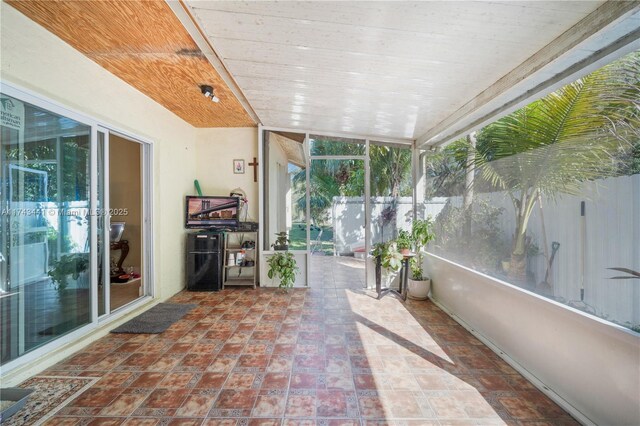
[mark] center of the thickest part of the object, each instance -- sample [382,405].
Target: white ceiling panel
[394,69]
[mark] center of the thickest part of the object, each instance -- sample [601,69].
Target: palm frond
[567,137]
[632,274]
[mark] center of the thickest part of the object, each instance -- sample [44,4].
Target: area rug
[155,320]
[50,394]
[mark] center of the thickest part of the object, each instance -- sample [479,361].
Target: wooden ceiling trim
[144,44]
[293,149]
[298,137]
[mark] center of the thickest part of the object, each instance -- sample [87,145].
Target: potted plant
[282,242]
[69,265]
[404,242]
[418,284]
[387,257]
[284,267]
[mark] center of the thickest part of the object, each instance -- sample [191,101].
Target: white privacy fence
[607,236]
[36,227]
[347,217]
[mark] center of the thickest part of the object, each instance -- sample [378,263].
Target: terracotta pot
[405,252]
[418,290]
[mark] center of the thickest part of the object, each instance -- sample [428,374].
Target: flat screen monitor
[212,212]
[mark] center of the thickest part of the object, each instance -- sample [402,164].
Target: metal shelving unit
[240,261]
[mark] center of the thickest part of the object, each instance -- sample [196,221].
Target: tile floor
[336,272]
[311,356]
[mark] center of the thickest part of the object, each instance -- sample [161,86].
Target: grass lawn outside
[298,237]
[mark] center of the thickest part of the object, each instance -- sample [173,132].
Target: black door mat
[155,320]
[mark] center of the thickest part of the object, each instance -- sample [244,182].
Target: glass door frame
[55,107]
[410,143]
[367,202]
[146,237]
[102,215]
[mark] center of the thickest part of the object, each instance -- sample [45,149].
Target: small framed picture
[238,166]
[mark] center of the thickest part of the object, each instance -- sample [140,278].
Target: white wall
[592,365]
[217,148]
[277,191]
[40,62]
[347,216]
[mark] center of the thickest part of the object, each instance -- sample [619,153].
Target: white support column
[367,213]
[93,223]
[307,159]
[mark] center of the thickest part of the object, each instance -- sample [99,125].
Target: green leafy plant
[556,143]
[68,265]
[632,274]
[404,240]
[388,255]
[283,266]
[486,245]
[421,234]
[282,241]
[379,249]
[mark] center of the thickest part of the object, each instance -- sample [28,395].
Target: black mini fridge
[204,261]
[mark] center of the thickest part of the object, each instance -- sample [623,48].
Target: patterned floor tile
[331,355]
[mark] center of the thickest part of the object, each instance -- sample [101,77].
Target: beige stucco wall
[33,59]
[217,148]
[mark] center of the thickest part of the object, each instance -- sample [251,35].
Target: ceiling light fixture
[207,91]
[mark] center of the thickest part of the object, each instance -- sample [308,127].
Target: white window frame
[410,143]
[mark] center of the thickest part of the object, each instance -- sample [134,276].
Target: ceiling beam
[572,53]
[346,135]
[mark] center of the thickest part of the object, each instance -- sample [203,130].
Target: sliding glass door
[58,254]
[125,221]
[45,232]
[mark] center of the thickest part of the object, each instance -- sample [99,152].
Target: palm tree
[446,169]
[390,167]
[329,178]
[322,189]
[554,144]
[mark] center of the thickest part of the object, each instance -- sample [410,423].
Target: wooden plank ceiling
[393,69]
[144,44]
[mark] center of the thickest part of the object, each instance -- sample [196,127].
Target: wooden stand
[123,246]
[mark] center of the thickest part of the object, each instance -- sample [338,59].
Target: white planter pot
[418,290]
